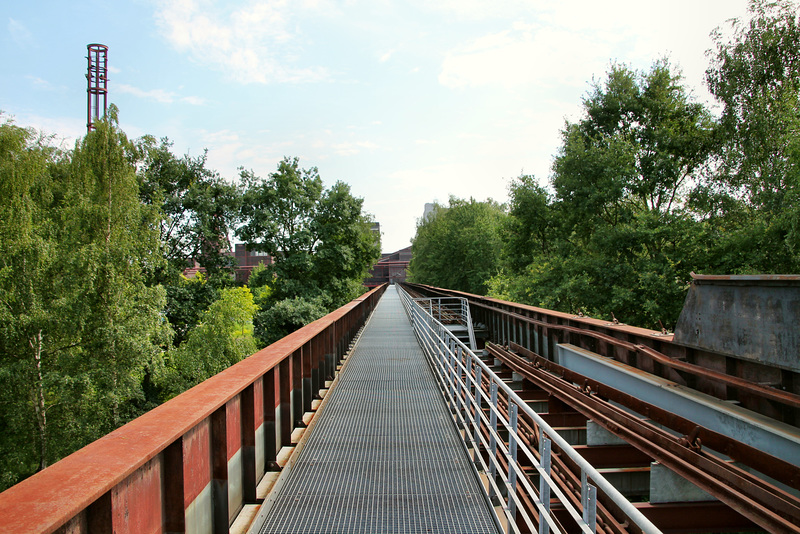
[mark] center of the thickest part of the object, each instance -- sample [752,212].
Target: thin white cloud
[252,44]
[386,57]
[19,33]
[524,55]
[194,100]
[158,95]
[65,130]
[353,148]
[44,84]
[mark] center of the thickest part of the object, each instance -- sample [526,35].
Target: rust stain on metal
[51,498]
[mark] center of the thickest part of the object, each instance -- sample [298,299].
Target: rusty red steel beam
[707,516]
[760,502]
[610,519]
[784,397]
[147,474]
[758,390]
[779,469]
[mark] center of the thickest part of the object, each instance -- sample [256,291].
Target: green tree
[79,327]
[755,74]
[530,230]
[285,316]
[30,334]
[320,239]
[642,142]
[223,337]
[458,246]
[617,237]
[109,249]
[199,208]
[187,300]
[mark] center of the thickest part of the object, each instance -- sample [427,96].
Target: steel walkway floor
[384,455]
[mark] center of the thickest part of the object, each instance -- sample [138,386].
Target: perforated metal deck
[384,455]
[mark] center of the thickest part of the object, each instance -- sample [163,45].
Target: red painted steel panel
[136,502]
[49,499]
[277,387]
[196,461]
[233,426]
[258,399]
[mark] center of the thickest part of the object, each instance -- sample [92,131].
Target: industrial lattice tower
[97,80]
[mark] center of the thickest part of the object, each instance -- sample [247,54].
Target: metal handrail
[462,374]
[449,309]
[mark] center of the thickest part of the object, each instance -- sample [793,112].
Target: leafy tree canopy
[320,239]
[199,208]
[79,325]
[755,74]
[458,246]
[223,337]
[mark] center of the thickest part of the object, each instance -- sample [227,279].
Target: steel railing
[448,311]
[469,385]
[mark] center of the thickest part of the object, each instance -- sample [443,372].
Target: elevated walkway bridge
[417,410]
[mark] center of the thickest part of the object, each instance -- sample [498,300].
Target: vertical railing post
[284,414]
[478,410]
[492,438]
[270,430]
[451,372]
[459,378]
[219,470]
[247,414]
[173,488]
[589,502]
[544,487]
[512,472]
[297,388]
[306,386]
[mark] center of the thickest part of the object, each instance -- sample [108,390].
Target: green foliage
[531,226]
[285,316]
[756,76]
[617,237]
[319,238]
[222,338]
[642,140]
[458,246]
[199,209]
[186,302]
[79,328]
[29,374]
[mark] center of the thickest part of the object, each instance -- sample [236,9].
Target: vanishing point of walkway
[384,455]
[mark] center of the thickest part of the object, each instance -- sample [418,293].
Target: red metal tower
[97,78]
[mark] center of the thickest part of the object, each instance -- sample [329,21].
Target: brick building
[391,268]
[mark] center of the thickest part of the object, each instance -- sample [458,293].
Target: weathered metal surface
[751,317]
[76,492]
[381,456]
[760,502]
[630,345]
[775,438]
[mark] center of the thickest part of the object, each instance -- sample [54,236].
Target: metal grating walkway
[384,455]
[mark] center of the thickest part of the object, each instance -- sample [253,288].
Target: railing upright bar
[478,412]
[512,475]
[492,439]
[590,508]
[461,360]
[544,487]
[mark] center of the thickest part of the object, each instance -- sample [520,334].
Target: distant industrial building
[247,260]
[391,268]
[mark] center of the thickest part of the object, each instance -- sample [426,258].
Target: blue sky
[408,102]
